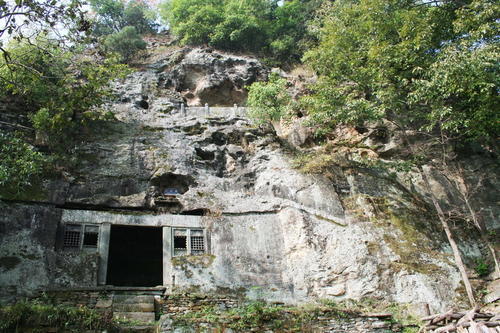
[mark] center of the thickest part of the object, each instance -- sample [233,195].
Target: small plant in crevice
[482,268]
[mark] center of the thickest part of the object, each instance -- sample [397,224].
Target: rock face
[274,232]
[207,76]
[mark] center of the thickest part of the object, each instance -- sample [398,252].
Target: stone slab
[132,299]
[104,303]
[138,329]
[143,317]
[136,307]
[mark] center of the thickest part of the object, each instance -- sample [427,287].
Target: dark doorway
[135,256]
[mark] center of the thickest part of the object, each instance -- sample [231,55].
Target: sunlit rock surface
[275,232]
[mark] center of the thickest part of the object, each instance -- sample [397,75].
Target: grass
[37,314]
[305,318]
[258,314]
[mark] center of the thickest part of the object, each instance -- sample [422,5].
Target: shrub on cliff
[126,43]
[269,101]
[20,165]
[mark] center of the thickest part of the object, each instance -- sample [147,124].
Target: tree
[418,64]
[422,66]
[193,20]
[460,89]
[20,165]
[254,25]
[126,43]
[62,89]
[290,36]
[238,32]
[24,20]
[111,16]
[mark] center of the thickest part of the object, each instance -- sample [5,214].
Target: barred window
[188,242]
[197,242]
[72,235]
[78,236]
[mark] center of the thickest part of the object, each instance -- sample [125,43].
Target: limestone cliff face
[275,232]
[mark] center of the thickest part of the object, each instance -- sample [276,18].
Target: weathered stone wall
[293,256]
[177,307]
[322,325]
[28,256]
[184,312]
[27,246]
[180,304]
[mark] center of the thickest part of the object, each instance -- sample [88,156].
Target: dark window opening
[181,183]
[135,256]
[180,242]
[91,236]
[142,104]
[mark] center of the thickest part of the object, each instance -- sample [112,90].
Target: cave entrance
[135,256]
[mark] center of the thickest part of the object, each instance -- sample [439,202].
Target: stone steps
[138,309]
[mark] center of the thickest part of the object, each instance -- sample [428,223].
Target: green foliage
[269,101]
[418,64]
[111,16]
[255,314]
[261,316]
[461,87]
[238,32]
[40,15]
[258,314]
[192,20]
[255,25]
[62,89]
[20,165]
[290,36]
[36,314]
[126,43]
[482,268]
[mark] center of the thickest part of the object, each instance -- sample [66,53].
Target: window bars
[79,236]
[188,242]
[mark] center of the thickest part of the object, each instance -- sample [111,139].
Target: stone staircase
[134,308]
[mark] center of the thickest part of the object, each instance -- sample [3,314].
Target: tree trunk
[464,191]
[444,222]
[451,240]
[484,237]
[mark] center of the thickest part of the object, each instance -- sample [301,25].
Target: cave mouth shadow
[135,256]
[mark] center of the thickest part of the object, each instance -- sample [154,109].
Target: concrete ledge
[106,288]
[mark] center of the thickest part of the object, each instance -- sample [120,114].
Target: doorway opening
[135,256]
